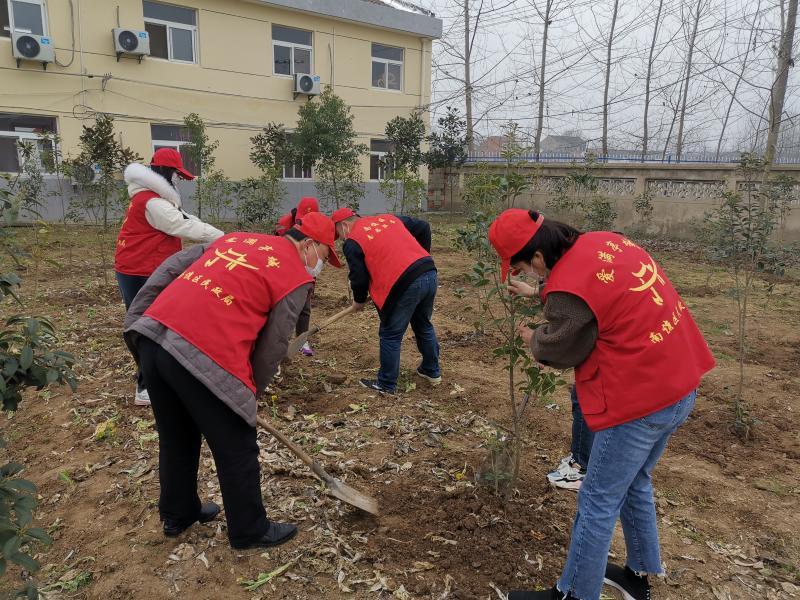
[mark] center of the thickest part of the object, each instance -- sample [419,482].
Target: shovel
[297,343]
[336,488]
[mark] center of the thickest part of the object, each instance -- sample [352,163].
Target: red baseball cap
[320,229]
[307,205]
[169,157]
[340,215]
[509,233]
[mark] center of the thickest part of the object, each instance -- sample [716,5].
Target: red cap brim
[185,174]
[333,258]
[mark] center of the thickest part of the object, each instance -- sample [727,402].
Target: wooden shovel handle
[299,452]
[334,318]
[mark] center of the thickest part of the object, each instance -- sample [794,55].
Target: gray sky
[734,37]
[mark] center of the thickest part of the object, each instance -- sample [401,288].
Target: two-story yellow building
[232,61]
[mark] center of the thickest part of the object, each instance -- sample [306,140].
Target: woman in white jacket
[154,228]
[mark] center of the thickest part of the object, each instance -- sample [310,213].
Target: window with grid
[291,50]
[174,136]
[23,16]
[15,128]
[387,67]
[172,30]
[379,167]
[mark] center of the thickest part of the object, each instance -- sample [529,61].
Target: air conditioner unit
[83,175]
[27,46]
[129,41]
[306,84]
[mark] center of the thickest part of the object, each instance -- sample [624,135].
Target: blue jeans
[582,436]
[618,485]
[414,307]
[129,286]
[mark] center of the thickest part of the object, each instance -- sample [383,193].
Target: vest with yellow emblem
[649,352]
[141,248]
[389,249]
[222,301]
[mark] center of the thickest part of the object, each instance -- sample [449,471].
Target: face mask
[318,268]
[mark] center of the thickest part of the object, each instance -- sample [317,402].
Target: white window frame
[386,62]
[292,46]
[170,25]
[43,10]
[285,178]
[22,135]
[381,167]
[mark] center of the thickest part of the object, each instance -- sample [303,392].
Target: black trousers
[129,286]
[185,410]
[304,320]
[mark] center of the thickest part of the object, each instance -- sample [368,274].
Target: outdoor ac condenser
[27,46]
[130,41]
[306,84]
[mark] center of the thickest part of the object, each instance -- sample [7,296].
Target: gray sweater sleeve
[568,336]
[161,278]
[273,341]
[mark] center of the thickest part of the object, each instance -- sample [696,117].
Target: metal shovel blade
[338,489]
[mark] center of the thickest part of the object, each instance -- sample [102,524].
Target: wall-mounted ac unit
[306,84]
[83,175]
[132,42]
[27,46]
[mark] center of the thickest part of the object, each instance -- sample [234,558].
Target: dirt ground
[727,507]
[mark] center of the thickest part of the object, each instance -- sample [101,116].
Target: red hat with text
[320,229]
[510,232]
[169,157]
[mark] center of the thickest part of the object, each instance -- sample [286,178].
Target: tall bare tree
[692,40]
[608,77]
[537,143]
[739,79]
[648,79]
[777,96]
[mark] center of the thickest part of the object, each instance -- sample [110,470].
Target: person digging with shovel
[209,329]
[389,259]
[638,358]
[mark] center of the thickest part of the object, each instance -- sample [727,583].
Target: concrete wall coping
[636,169]
[359,11]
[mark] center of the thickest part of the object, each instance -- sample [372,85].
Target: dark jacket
[359,275]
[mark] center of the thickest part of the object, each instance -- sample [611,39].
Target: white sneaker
[434,381]
[142,398]
[569,474]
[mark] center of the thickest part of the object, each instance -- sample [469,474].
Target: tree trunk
[672,124]
[537,144]
[738,82]
[468,77]
[647,80]
[682,118]
[778,91]
[608,78]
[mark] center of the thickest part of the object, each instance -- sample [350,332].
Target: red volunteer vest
[389,249]
[222,301]
[649,352]
[141,248]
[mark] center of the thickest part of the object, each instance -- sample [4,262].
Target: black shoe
[277,534]
[551,594]
[632,586]
[208,512]
[374,384]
